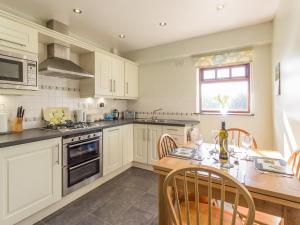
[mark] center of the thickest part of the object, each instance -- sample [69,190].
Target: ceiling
[102,21]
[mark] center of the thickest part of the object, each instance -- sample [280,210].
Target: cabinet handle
[114,85]
[172,129]
[144,135]
[111,85]
[56,150]
[12,42]
[126,87]
[113,130]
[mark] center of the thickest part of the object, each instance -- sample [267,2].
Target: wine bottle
[223,137]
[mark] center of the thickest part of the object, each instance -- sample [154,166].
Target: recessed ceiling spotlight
[162,24]
[220,6]
[78,11]
[122,36]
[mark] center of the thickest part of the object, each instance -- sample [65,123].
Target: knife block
[18,125]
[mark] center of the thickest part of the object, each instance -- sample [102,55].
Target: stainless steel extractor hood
[58,61]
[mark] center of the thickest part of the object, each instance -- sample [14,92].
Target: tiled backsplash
[55,92]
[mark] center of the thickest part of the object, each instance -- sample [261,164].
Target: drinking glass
[198,142]
[246,143]
[215,137]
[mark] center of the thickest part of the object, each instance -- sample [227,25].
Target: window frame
[223,80]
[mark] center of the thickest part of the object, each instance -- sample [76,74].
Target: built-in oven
[18,71]
[82,160]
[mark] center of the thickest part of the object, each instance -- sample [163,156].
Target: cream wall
[286,50]
[172,85]
[237,38]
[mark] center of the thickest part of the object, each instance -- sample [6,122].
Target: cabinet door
[131,80]
[112,149]
[18,36]
[140,143]
[118,77]
[154,133]
[30,179]
[103,71]
[127,136]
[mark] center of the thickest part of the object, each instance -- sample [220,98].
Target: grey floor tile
[134,216]
[92,220]
[148,203]
[154,221]
[129,199]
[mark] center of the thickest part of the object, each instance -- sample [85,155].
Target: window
[225,88]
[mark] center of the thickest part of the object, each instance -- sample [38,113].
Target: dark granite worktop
[30,135]
[39,134]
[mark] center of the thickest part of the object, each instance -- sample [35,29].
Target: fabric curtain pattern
[225,58]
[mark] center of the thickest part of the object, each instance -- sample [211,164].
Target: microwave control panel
[32,73]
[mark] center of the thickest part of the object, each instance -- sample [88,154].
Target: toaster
[129,115]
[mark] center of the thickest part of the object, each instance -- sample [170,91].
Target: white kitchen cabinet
[153,133]
[131,80]
[118,77]
[18,36]
[140,153]
[127,137]
[109,76]
[112,149]
[31,179]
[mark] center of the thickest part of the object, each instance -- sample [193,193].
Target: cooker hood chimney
[58,61]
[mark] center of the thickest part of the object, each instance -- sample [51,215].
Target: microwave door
[12,71]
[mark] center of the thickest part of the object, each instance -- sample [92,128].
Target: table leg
[291,216]
[163,214]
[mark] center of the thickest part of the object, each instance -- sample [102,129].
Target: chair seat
[227,216]
[260,217]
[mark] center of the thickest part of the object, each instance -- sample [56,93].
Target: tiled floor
[129,199]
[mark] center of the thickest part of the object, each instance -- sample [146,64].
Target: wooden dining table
[275,194]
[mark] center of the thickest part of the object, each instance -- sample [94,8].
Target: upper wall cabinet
[131,80]
[110,79]
[18,36]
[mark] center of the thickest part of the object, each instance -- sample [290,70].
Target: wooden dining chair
[264,218]
[294,162]
[194,212]
[166,144]
[235,137]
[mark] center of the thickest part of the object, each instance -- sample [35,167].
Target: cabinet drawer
[172,130]
[18,36]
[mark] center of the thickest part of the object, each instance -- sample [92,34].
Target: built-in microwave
[18,71]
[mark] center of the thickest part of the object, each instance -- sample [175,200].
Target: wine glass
[198,142]
[215,137]
[246,143]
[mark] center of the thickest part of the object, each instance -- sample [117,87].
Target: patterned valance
[225,58]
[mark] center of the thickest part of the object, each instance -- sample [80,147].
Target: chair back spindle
[194,212]
[294,162]
[235,135]
[165,146]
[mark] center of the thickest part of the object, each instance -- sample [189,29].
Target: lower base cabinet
[127,137]
[112,149]
[146,138]
[31,179]
[145,143]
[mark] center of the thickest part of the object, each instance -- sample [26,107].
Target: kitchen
[83,106]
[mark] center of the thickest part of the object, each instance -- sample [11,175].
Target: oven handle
[82,143]
[82,164]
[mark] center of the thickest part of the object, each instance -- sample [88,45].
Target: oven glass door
[83,151]
[83,171]
[11,70]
